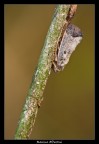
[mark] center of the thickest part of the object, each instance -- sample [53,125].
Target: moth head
[74,31]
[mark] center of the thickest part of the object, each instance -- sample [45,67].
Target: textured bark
[43,70]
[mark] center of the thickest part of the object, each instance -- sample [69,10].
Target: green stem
[35,93]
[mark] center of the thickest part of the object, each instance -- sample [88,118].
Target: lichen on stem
[43,70]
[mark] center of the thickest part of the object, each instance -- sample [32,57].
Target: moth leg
[54,67]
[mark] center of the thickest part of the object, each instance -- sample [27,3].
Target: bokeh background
[68,109]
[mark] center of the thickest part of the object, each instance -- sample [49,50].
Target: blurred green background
[68,109]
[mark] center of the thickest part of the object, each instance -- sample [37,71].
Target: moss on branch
[43,70]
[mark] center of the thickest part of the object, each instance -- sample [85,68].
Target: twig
[35,93]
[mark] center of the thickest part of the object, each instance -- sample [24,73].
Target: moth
[71,38]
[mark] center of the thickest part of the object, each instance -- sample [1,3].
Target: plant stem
[43,70]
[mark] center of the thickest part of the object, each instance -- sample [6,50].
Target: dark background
[67,111]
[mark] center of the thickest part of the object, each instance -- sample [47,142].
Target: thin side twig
[43,70]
